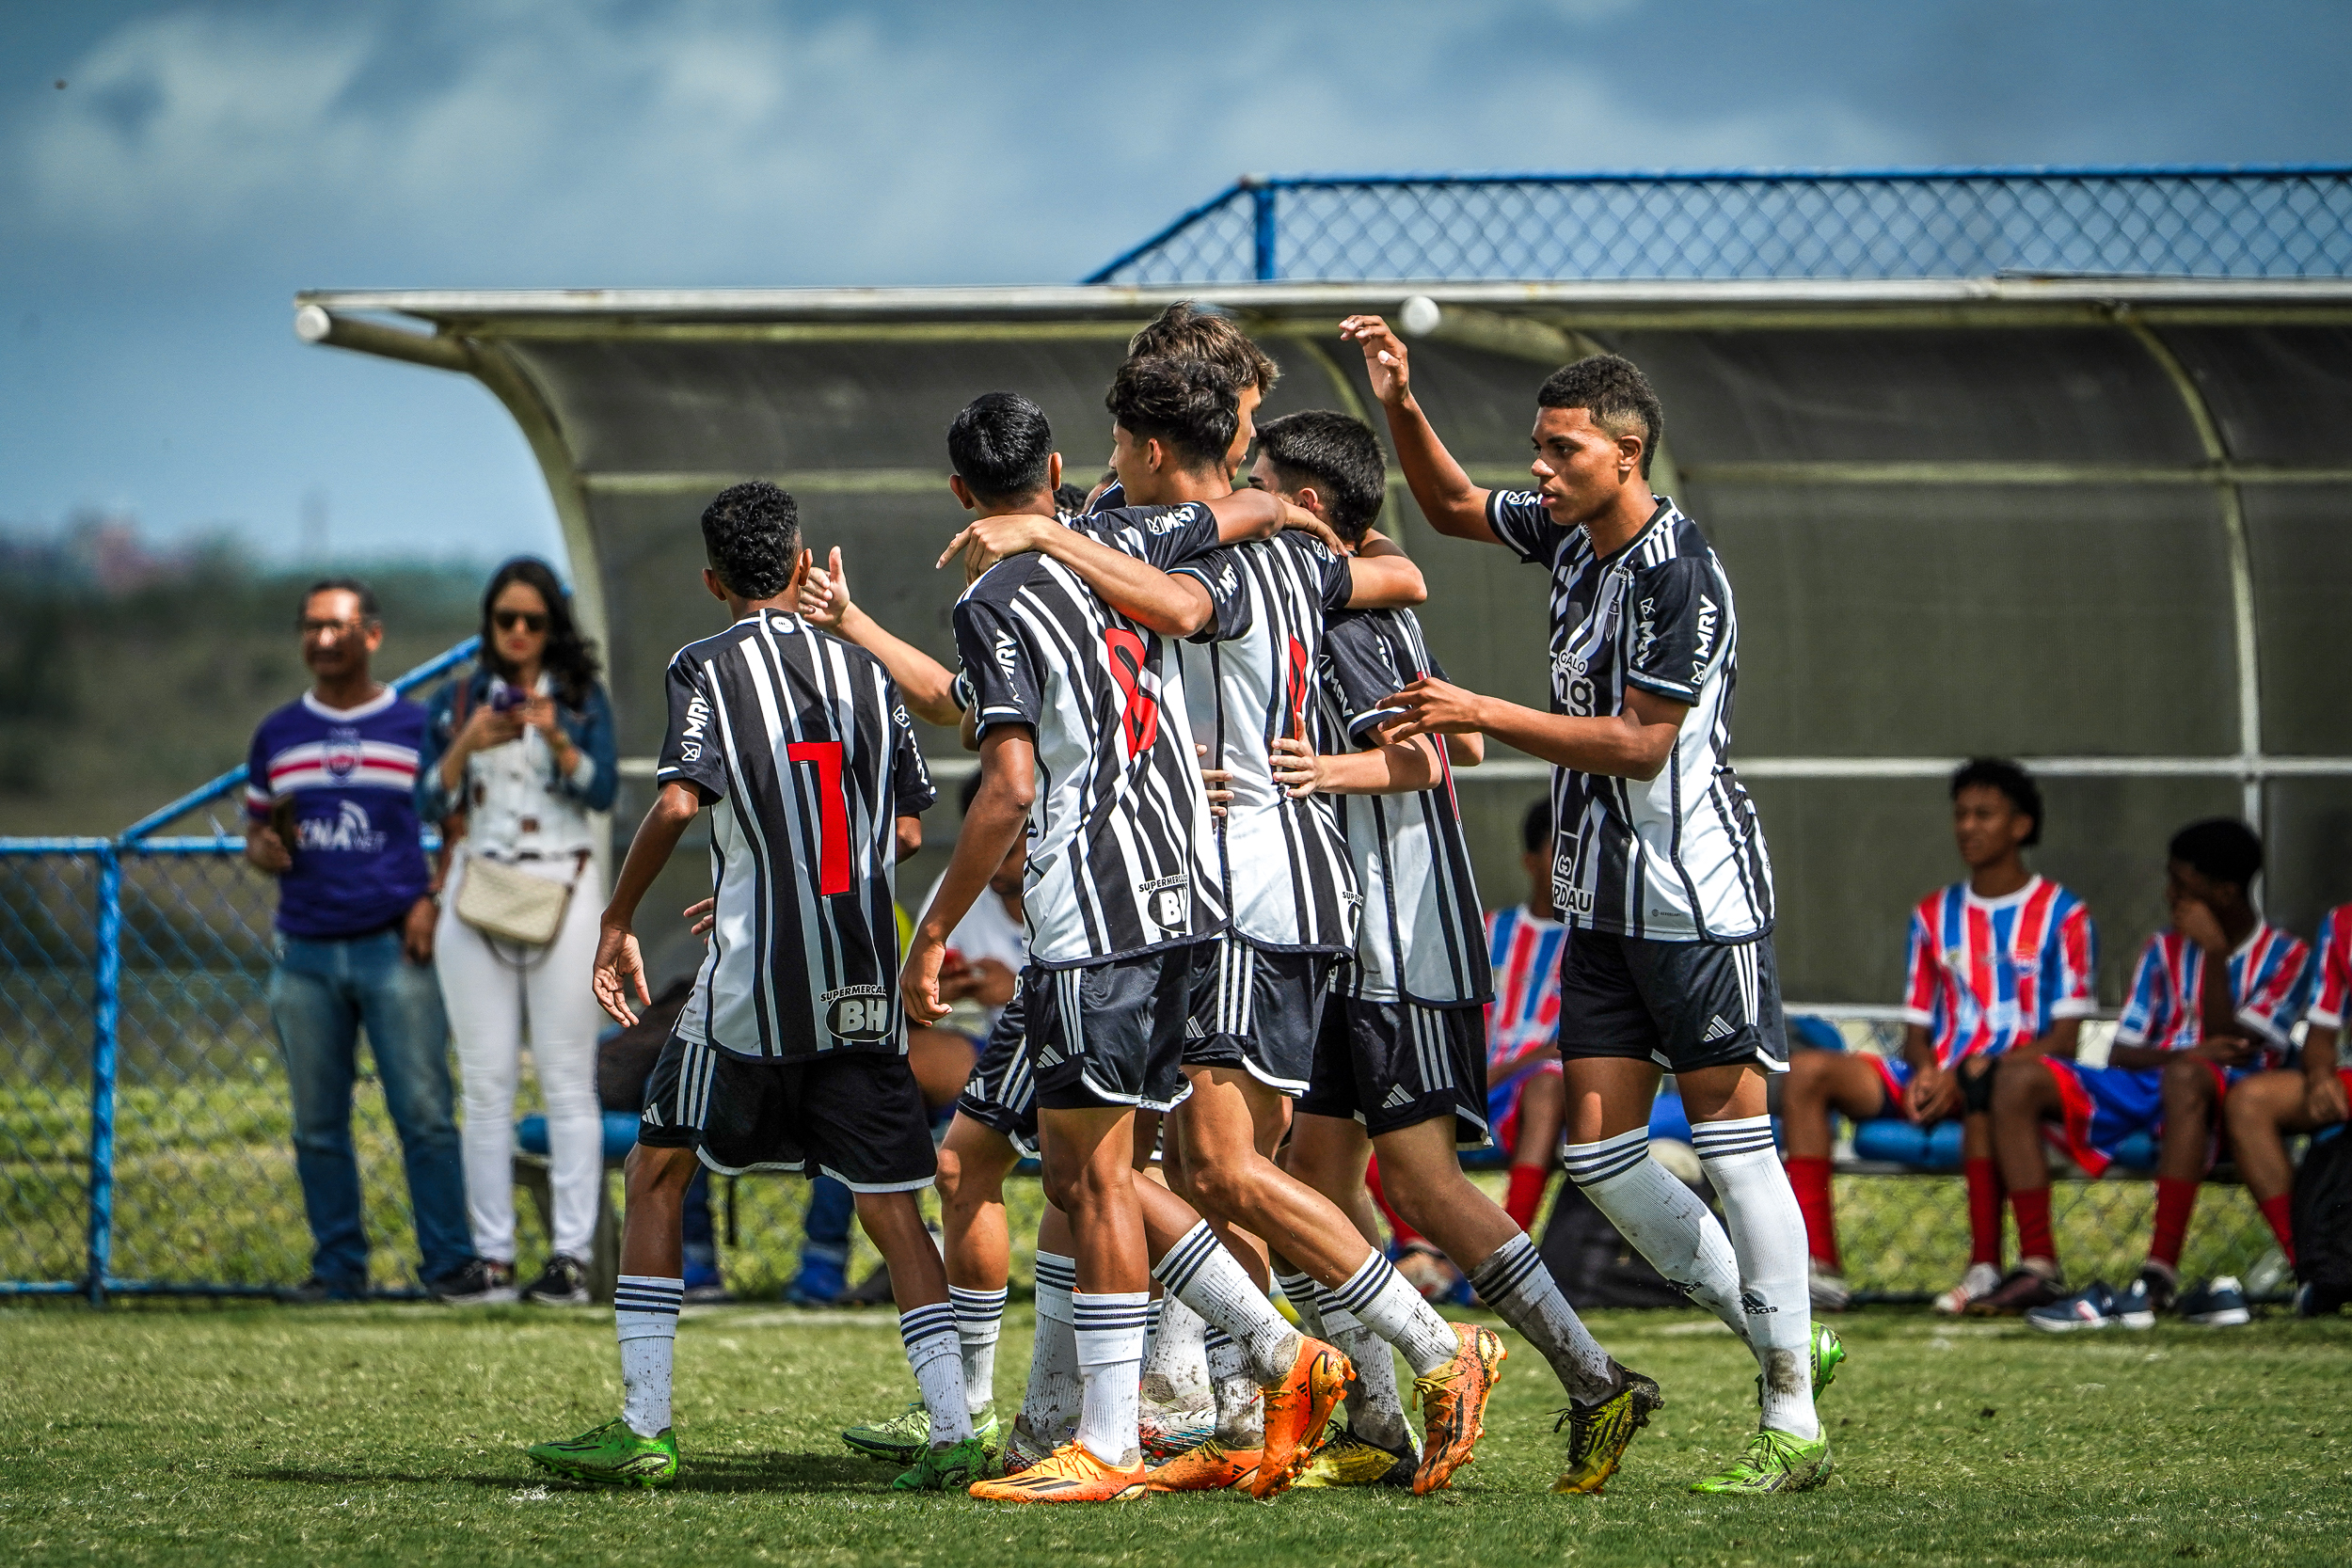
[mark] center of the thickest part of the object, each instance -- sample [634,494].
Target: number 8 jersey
[805,743]
[1122,861]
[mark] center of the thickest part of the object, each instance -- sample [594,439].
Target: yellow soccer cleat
[1071,1474]
[1598,1434]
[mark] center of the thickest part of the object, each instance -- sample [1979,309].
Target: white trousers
[492,1006]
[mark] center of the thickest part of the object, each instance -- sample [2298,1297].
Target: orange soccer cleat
[1209,1466]
[1296,1412]
[1070,1475]
[1453,1402]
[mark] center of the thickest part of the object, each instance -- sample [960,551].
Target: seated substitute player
[1400,1062]
[1659,867]
[2264,1108]
[1525,1103]
[790,1053]
[2000,962]
[2211,1000]
[1122,892]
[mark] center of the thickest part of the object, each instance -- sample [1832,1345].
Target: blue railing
[2201,221]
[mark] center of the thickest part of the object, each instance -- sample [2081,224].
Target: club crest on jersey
[858,1012]
[342,751]
[1168,901]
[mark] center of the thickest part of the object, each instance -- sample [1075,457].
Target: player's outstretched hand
[1432,707]
[918,981]
[1384,357]
[702,917]
[1297,771]
[1217,782]
[825,596]
[620,969]
[984,543]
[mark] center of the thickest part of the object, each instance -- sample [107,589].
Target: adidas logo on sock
[1398,1100]
[1718,1030]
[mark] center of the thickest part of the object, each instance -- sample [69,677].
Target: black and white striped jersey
[1288,880]
[1681,858]
[1121,858]
[1423,937]
[810,757]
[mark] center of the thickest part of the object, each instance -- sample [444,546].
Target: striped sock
[929,1333]
[979,1318]
[1175,1367]
[1768,1235]
[1198,1272]
[1240,1408]
[1663,1219]
[1051,1405]
[1514,1281]
[1108,1327]
[1375,1408]
[644,1320]
[1381,1298]
[1300,1292]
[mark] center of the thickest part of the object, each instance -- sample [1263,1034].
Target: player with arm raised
[790,1052]
[1659,866]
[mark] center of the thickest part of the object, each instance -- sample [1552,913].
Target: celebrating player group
[1217,754]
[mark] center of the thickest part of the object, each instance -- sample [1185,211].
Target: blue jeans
[321,994]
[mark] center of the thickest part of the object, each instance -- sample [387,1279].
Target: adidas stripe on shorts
[1258,1010]
[1109,1035]
[856,1116]
[1681,1005]
[1397,1064]
[1001,1093]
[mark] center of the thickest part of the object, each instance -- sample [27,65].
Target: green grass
[395,1434]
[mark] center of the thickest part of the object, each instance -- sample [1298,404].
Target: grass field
[395,1434]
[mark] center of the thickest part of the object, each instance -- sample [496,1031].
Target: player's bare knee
[2187,1082]
[651,1172]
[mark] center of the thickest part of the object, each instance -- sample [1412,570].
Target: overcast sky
[171,173]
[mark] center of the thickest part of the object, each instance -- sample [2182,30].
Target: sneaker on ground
[951,1467]
[1773,1462]
[1165,1433]
[1599,1433]
[1348,1460]
[2022,1292]
[1209,1468]
[2091,1307]
[1069,1475]
[2218,1303]
[1297,1411]
[1828,1287]
[2314,1300]
[1454,1405]
[2164,1285]
[479,1282]
[613,1455]
[1980,1281]
[562,1283]
[2140,1300]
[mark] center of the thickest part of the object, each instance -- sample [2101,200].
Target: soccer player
[1186,331]
[1525,1101]
[2211,1001]
[1660,863]
[2263,1107]
[2000,962]
[1400,1065]
[789,1054]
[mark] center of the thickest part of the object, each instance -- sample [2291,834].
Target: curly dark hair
[752,538]
[570,658]
[1188,405]
[1612,390]
[2011,780]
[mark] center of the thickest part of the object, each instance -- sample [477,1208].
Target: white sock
[1663,1219]
[1378,1297]
[1175,1365]
[928,1334]
[1299,1292]
[1109,1333]
[1768,1233]
[1514,1281]
[1198,1272]
[644,1320]
[1375,1409]
[1151,1326]
[979,1318]
[1051,1407]
[1240,1406]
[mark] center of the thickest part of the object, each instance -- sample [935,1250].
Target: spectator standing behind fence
[331,813]
[519,756]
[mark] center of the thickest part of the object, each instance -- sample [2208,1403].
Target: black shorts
[1399,1064]
[1002,1091]
[1682,1005]
[1109,1035]
[1259,1011]
[856,1116]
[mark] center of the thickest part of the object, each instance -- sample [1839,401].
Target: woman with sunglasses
[517,761]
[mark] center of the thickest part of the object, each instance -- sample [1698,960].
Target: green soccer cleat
[1774,1462]
[952,1468]
[613,1455]
[907,1435]
[1600,1433]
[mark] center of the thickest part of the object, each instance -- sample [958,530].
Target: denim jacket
[589,787]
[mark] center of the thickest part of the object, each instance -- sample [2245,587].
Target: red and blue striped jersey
[2266,981]
[358,860]
[1987,974]
[2331,978]
[1525,951]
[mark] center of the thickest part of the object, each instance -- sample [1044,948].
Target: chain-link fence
[2293,222]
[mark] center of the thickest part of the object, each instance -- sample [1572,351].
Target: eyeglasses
[331,628]
[530,619]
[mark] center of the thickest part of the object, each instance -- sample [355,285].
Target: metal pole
[106,1015]
[1262,202]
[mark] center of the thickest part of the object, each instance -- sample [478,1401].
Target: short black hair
[1069,500]
[1187,330]
[1536,827]
[1188,405]
[368,610]
[752,538]
[2221,848]
[1001,445]
[2011,780]
[1612,390]
[1339,456]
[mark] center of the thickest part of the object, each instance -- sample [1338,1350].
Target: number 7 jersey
[803,741]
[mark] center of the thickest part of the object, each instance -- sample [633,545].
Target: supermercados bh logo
[858,1012]
[348,832]
[1168,902]
[342,751]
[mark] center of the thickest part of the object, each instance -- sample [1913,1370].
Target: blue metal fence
[2181,221]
